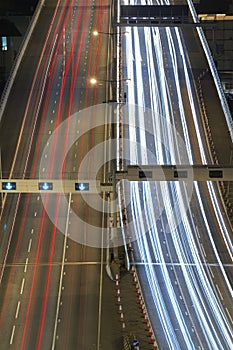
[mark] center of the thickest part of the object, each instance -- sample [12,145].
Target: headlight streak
[212,300]
[192,283]
[213,69]
[217,210]
[151,277]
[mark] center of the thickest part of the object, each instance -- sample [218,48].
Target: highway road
[54,293]
[181,238]
[52,286]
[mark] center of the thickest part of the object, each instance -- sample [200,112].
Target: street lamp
[96,33]
[94,81]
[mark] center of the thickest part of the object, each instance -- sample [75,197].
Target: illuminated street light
[94,81]
[96,33]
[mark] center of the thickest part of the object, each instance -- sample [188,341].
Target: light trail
[211,327]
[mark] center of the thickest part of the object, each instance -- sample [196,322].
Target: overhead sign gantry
[156,16]
[133,173]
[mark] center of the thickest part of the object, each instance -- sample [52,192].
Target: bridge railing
[19,57]
[213,70]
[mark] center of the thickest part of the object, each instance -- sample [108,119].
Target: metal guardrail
[213,69]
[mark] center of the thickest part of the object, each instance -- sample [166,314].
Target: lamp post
[96,33]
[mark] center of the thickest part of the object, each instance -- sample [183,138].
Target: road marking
[219,292]
[22,286]
[32,230]
[12,335]
[35,213]
[61,277]
[26,265]
[29,245]
[203,250]
[212,274]
[17,310]
[229,315]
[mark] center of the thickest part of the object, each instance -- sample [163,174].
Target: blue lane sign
[9,186]
[45,186]
[81,186]
[135,342]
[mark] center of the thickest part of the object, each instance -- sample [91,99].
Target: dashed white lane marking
[26,265]
[219,292]
[229,315]
[22,286]
[211,272]
[35,213]
[29,245]
[203,249]
[17,310]
[32,230]
[12,335]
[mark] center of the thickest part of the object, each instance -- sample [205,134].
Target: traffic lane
[78,314]
[8,216]
[12,118]
[214,225]
[170,256]
[32,226]
[19,327]
[32,281]
[37,319]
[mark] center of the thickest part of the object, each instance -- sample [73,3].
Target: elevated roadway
[53,287]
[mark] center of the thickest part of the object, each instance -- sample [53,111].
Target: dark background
[24,7]
[27,7]
[214,6]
